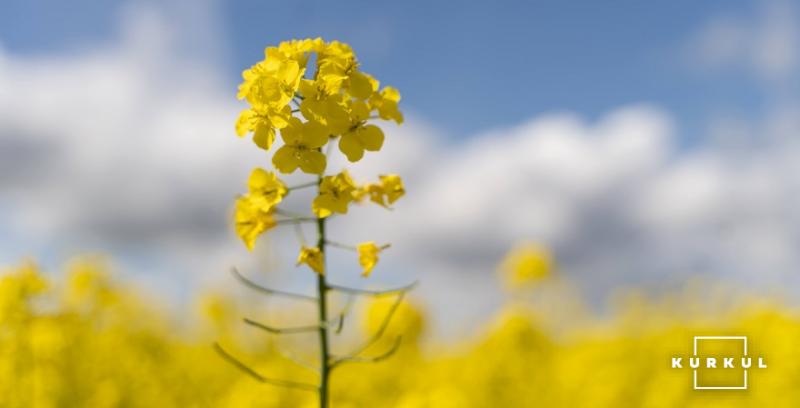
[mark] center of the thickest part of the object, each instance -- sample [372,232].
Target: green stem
[322,289]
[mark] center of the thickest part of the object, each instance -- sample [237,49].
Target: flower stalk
[333,106]
[322,311]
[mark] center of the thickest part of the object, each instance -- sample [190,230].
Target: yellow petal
[321,206]
[250,222]
[351,147]
[367,256]
[315,134]
[360,85]
[371,137]
[264,136]
[312,257]
[285,159]
[392,186]
[292,134]
[312,162]
[266,190]
[244,122]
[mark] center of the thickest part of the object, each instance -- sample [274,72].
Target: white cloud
[767,43]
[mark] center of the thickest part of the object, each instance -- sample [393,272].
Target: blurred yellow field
[90,341]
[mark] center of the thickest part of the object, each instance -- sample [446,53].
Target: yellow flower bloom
[368,256]
[338,64]
[302,142]
[388,191]
[266,189]
[526,264]
[272,81]
[360,136]
[251,221]
[312,257]
[263,121]
[299,50]
[361,85]
[323,103]
[335,193]
[386,103]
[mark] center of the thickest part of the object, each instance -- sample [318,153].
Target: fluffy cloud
[767,44]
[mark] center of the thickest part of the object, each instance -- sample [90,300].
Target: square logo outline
[694,371]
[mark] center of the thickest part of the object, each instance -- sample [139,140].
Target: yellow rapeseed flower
[385,193]
[251,221]
[360,136]
[312,257]
[323,103]
[386,103]
[526,264]
[266,190]
[302,141]
[368,256]
[262,120]
[273,81]
[335,193]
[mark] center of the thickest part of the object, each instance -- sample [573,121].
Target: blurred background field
[92,341]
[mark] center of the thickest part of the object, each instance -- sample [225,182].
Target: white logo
[743,362]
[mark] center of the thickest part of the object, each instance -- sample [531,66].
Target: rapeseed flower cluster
[332,102]
[314,95]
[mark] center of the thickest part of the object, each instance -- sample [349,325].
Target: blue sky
[468,66]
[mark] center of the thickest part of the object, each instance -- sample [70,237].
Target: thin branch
[298,231]
[374,359]
[340,245]
[352,247]
[282,330]
[267,290]
[345,311]
[293,358]
[381,329]
[258,377]
[281,211]
[297,220]
[304,185]
[376,293]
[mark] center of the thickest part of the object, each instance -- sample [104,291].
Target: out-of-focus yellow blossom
[19,285]
[387,104]
[251,221]
[89,285]
[266,190]
[360,136]
[335,193]
[312,257]
[301,149]
[526,264]
[385,193]
[407,322]
[129,353]
[367,256]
